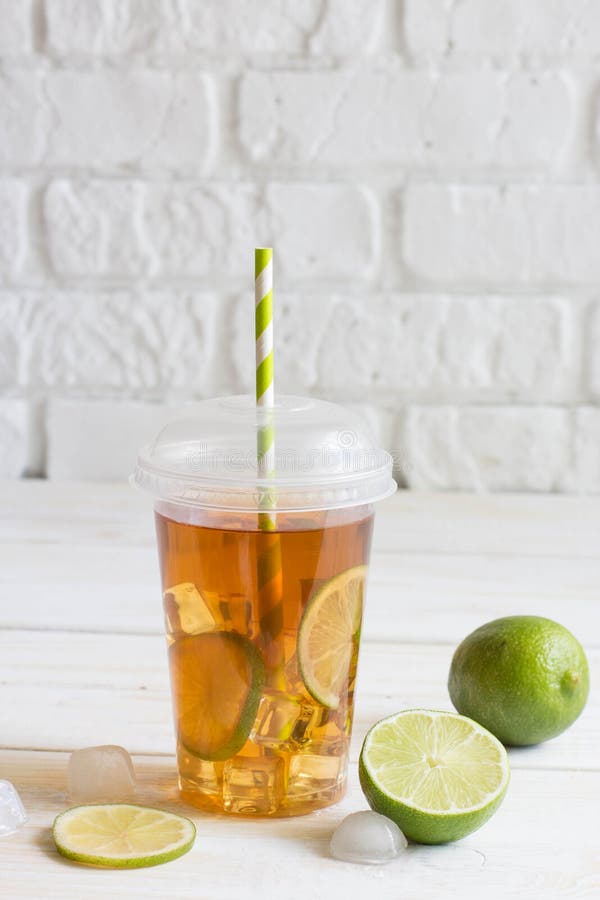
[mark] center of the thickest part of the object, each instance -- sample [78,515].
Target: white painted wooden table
[82,661]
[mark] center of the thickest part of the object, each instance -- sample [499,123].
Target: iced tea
[251,737]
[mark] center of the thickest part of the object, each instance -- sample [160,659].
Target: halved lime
[329,634]
[438,775]
[122,835]
[217,681]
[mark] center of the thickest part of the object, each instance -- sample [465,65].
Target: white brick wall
[515,234]
[542,29]
[426,170]
[398,117]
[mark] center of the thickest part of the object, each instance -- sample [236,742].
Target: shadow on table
[44,842]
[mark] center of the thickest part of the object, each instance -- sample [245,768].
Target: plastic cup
[263,623]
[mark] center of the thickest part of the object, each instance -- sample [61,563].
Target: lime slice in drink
[438,775]
[329,634]
[122,835]
[217,681]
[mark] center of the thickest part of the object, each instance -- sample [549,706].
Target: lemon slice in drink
[329,634]
[122,835]
[438,775]
[217,681]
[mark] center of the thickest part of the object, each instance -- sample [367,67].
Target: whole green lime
[524,678]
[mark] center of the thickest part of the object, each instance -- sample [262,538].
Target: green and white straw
[265,387]
[269,574]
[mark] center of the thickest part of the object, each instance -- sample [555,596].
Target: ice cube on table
[367,837]
[101,773]
[12,811]
[186,610]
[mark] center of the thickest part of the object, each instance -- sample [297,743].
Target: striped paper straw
[265,388]
[270,586]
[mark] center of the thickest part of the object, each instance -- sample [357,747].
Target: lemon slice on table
[122,835]
[438,775]
[217,681]
[329,634]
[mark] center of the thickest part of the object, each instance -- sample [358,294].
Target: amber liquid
[294,752]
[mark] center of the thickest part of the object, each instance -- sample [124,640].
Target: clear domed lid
[324,457]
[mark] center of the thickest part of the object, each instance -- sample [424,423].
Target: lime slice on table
[329,634]
[438,775]
[122,835]
[217,681]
